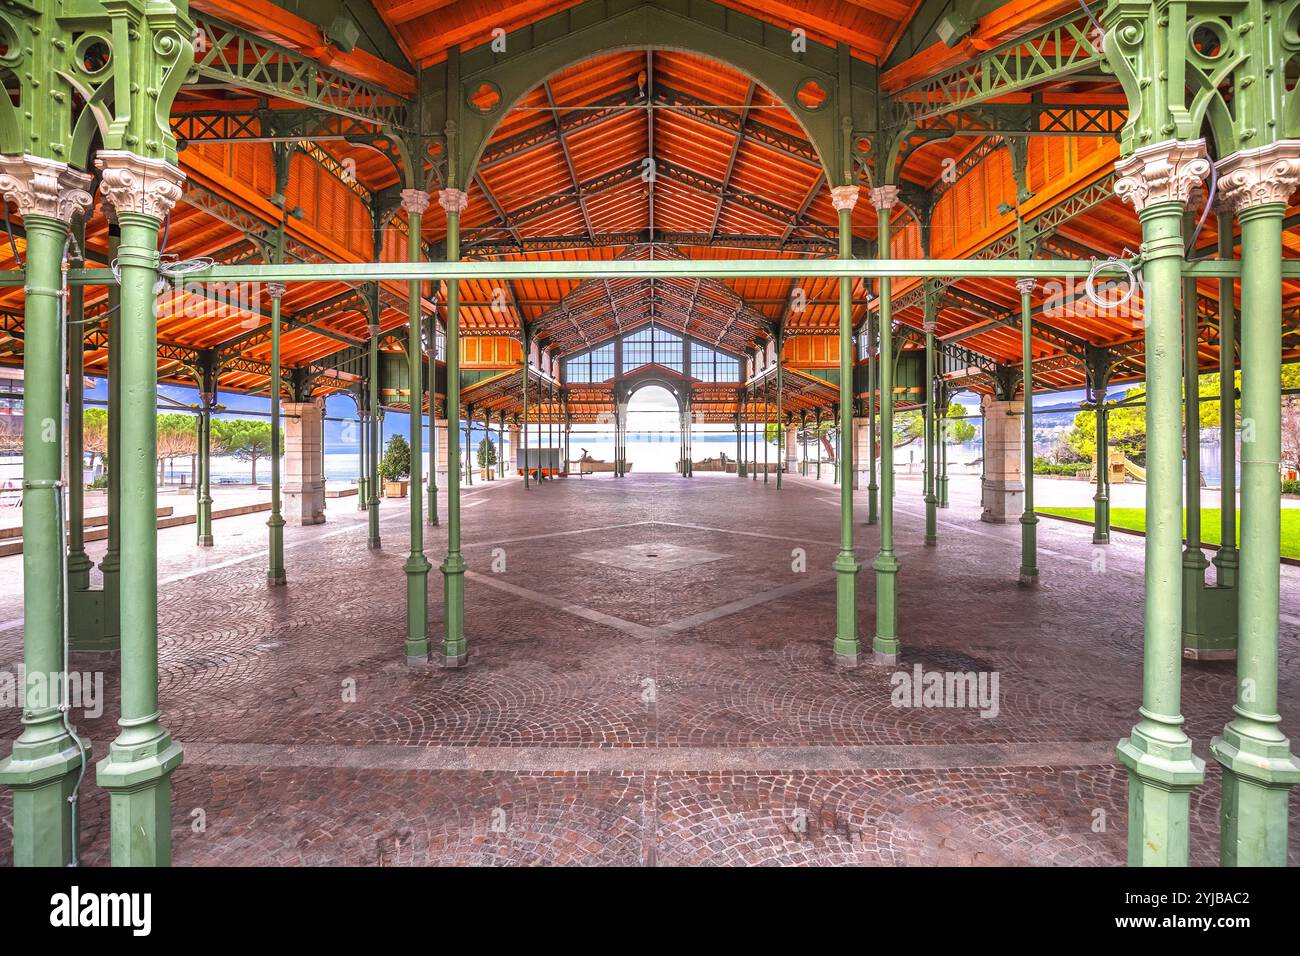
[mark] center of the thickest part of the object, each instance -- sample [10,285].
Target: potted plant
[487,458]
[395,467]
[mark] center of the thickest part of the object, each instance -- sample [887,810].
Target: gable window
[652,345]
[710,365]
[596,365]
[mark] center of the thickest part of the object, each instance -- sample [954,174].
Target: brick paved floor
[650,683]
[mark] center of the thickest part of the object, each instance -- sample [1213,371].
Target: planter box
[395,489]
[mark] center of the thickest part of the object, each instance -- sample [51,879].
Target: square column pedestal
[304,463]
[861,451]
[1003,497]
[440,466]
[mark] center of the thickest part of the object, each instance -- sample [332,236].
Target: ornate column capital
[275,290]
[415,201]
[45,187]
[1254,177]
[1026,286]
[133,183]
[844,197]
[453,201]
[884,197]
[1163,172]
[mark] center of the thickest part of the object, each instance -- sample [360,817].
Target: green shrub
[1072,469]
[1291,487]
[396,463]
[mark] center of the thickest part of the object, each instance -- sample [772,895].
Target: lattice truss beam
[227,54]
[596,309]
[1059,50]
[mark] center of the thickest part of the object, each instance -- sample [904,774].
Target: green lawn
[1134,519]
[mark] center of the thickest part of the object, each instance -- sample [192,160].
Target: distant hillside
[11,434]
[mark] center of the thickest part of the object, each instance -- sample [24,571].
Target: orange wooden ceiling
[758,179]
[427,29]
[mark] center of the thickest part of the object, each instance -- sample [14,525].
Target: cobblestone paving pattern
[651,683]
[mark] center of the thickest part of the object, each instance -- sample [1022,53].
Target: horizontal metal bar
[657,269]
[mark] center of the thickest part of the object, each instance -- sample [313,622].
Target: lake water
[648,451]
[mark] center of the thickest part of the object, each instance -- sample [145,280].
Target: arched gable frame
[762,51]
[635,381]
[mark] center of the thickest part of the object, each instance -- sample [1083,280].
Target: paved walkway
[182,501]
[650,683]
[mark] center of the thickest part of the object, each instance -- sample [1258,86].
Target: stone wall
[1003,497]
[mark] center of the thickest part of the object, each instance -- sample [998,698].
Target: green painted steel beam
[1035,118]
[802,245]
[658,269]
[1047,55]
[246,61]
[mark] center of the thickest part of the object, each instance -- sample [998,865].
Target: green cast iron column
[79,564]
[1098,377]
[550,420]
[1194,561]
[455,649]
[817,440]
[1226,560]
[44,768]
[137,771]
[884,645]
[800,443]
[835,412]
[110,567]
[275,523]
[372,465]
[942,438]
[847,644]
[767,407]
[469,445]
[984,461]
[523,434]
[1258,766]
[414,203]
[431,512]
[1101,500]
[873,489]
[931,499]
[1158,754]
[203,514]
[363,464]
[1028,520]
[740,466]
[780,419]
